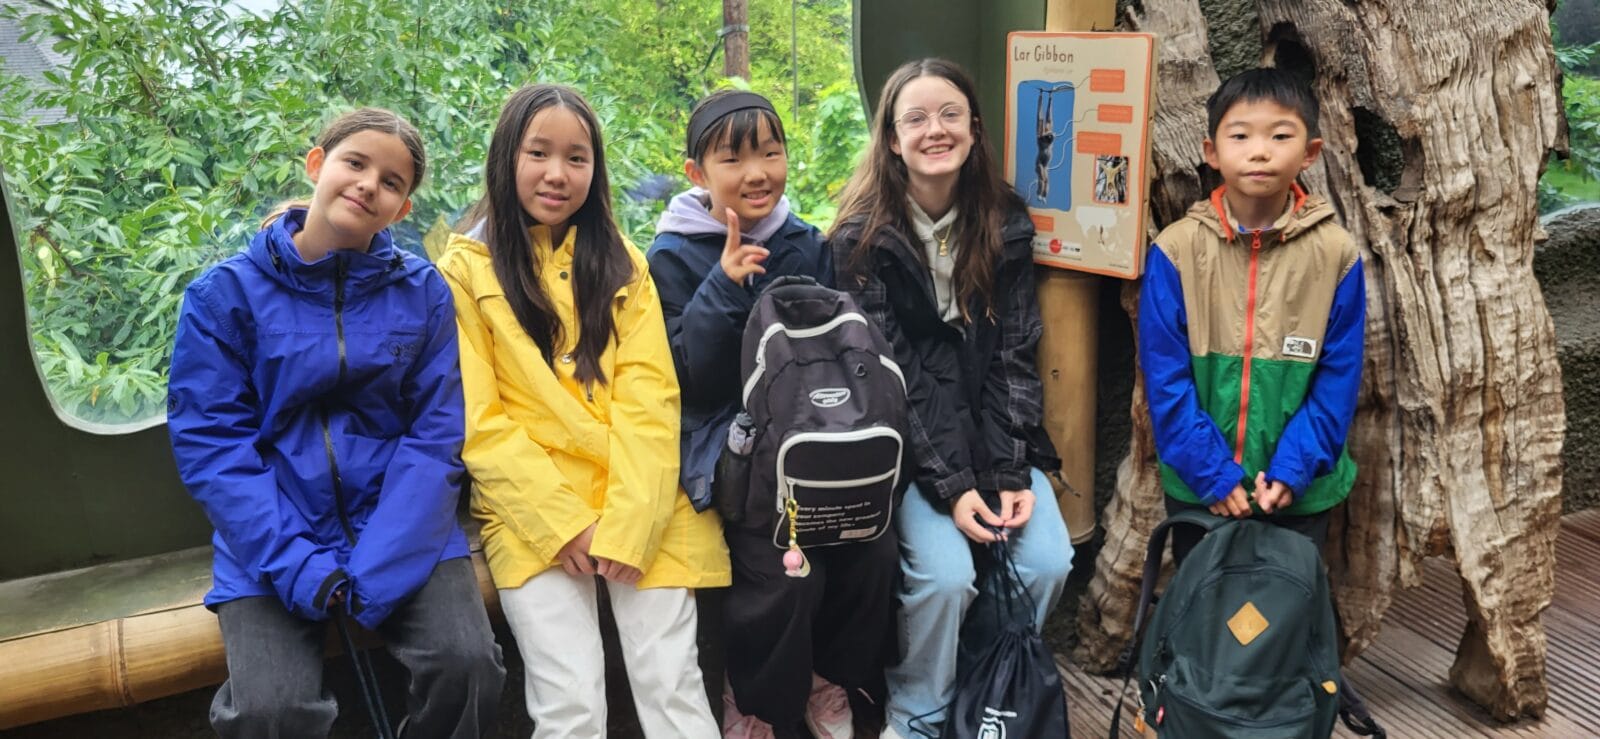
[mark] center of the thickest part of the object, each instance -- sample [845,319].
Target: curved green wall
[70,495]
[972,34]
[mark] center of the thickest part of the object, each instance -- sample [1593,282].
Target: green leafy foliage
[1575,178]
[187,120]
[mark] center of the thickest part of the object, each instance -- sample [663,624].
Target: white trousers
[556,620]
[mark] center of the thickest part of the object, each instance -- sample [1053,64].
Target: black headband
[707,115]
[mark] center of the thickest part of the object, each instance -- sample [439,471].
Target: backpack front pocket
[842,484]
[1196,704]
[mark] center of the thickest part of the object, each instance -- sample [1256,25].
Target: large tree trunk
[1438,115]
[736,38]
[1184,78]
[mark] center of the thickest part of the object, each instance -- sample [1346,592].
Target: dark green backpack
[1242,644]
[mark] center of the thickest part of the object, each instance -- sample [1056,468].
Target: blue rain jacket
[316,415]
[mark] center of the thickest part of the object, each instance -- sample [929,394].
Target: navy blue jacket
[706,313]
[316,415]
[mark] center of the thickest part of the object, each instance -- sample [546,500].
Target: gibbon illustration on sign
[1077,143]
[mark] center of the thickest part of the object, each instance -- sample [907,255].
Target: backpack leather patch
[1247,623]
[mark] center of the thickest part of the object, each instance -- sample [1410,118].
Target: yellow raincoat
[547,459]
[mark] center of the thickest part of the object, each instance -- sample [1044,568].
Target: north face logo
[1295,346]
[829,397]
[400,349]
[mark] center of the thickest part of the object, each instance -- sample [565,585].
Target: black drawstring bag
[1013,690]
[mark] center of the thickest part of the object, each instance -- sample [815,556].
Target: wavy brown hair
[600,262]
[875,198]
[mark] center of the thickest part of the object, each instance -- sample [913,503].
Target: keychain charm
[794,560]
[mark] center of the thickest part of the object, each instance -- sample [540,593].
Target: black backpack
[828,405]
[1243,642]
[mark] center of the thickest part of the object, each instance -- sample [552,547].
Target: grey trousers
[442,637]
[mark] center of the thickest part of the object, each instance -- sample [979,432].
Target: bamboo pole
[109,664]
[1069,302]
[124,661]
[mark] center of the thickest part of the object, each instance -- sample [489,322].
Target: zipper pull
[794,560]
[1255,240]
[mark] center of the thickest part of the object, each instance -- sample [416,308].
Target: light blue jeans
[941,585]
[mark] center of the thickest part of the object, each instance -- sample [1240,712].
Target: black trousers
[1185,538]
[836,622]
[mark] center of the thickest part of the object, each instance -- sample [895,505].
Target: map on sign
[1077,143]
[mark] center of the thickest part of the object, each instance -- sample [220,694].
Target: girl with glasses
[937,250]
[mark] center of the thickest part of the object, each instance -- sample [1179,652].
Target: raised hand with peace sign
[740,260]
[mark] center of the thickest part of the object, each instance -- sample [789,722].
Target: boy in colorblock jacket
[1251,323]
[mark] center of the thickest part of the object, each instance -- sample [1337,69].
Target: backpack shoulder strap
[1157,548]
[786,280]
[1147,590]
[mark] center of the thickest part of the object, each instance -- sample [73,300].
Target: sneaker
[828,710]
[736,725]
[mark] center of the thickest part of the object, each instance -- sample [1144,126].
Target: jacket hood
[272,250]
[1308,211]
[688,214]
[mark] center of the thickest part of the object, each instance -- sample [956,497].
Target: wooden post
[735,39]
[1068,352]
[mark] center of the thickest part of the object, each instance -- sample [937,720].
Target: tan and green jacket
[1251,347]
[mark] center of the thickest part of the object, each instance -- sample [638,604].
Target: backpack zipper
[1249,346]
[327,433]
[1182,613]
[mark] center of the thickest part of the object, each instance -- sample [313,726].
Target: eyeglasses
[951,117]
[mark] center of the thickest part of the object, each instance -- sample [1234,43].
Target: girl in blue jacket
[798,648]
[316,415]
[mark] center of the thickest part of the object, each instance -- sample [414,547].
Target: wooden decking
[1404,676]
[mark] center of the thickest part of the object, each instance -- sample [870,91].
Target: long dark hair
[875,197]
[600,262]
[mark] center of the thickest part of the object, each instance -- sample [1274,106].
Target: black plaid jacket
[975,396]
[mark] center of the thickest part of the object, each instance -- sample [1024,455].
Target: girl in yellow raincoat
[572,430]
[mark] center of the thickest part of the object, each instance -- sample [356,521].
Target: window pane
[1575,29]
[144,141]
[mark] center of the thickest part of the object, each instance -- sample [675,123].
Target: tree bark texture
[1184,79]
[736,38]
[1438,116]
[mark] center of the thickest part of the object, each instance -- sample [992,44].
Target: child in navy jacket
[798,648]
